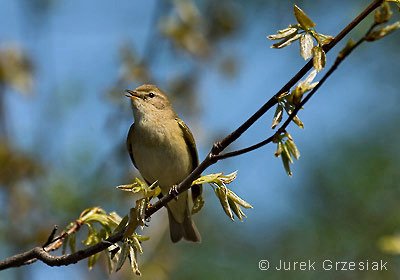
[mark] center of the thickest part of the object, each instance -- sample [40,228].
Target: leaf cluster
[382,16]
[287,150]
[304,31]
[229,201]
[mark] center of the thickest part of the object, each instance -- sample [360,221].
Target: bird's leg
[174,191]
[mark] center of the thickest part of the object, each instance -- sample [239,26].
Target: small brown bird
[163,149]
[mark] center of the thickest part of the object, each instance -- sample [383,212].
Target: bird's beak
[132,94]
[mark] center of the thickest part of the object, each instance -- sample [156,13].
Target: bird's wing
[128,144]
[189,139]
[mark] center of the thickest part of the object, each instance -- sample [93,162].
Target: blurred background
[64,66]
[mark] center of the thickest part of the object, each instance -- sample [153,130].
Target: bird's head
[149,101]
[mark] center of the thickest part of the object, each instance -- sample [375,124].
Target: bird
[163,149]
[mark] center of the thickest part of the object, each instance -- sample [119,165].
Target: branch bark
[283,127]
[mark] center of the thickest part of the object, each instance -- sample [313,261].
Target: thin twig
[220,146]
[245,150]
[51,236]
[40,254]
[282,129]
[56,242]
[337,62]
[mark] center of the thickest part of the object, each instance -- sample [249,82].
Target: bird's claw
[174,191]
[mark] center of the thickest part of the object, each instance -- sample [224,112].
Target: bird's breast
[161,153]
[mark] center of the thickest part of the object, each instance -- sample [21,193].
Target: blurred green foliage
[348,202]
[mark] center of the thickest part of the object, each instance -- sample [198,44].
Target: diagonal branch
[283,127]
[214,155]
[40,254]
[220,146]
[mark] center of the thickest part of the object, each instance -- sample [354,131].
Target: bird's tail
[187,229]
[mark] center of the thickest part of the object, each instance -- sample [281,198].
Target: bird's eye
[151,95]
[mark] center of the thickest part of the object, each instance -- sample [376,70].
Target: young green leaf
[288,32]
[64,245]
[383,14]
[349,47]
[72,242]
[136,244]
[154,192]
[92,237]
[319,58]
[122,224]
[279,149]
[226,197]
[303,86]
[222,196]
[278,116]
[285,161]
[235,208]
[123,255]
[286,152]
[288,136]
[229,178]
[92,260]
[306,83]
[292,148]
[286,29]
[384,31]
[324,39]
[141,238]
[241,212]
[114,250]
[286,42]
[103,234]
[297,95]
[297,121]
[210,178]
[306,45]
[100,218]
[110,263]
[113,219]
[141,206]
[133,223]
[197,204]
[130,188]
[283,96]
[237,199]
[302,18]
[132,258]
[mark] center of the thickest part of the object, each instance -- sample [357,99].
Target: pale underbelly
[168,165]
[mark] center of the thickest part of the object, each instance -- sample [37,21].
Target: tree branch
[39,253]
[245,150]
[220,146]
[282,129]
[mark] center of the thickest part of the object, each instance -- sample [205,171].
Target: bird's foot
[174,191]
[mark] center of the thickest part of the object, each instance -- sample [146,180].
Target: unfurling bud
[319,58]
